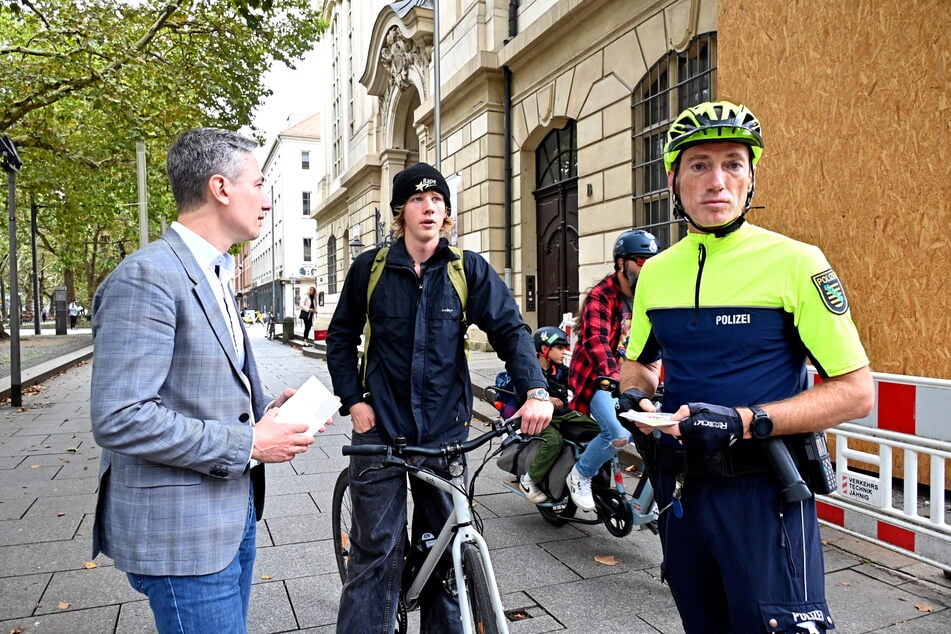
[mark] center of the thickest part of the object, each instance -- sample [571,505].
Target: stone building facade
[551,120]
[537,106]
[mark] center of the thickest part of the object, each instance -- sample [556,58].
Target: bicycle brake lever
[512,438]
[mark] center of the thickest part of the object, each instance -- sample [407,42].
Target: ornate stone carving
[398,55]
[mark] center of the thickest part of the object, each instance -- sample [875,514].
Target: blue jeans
[378,541]
[204,603]
[600,449]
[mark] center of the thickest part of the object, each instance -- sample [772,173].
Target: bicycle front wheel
[480,599]
[340,521]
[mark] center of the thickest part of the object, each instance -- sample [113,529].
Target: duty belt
[730,463]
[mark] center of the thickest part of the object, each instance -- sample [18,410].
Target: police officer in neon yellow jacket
[735,312]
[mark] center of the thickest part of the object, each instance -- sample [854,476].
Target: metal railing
[885,507]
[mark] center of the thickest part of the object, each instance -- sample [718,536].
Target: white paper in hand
[654,419]
[312,403]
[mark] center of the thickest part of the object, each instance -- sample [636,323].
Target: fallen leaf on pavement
[607,560]
[17,630]
[922,607]
[266,577]
[34,466]
[89,565]
[62,605]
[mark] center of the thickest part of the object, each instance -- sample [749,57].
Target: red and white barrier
[911,416]
[913,405]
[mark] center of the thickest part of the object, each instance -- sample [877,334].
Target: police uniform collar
[712,243]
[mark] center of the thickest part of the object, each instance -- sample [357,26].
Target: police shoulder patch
[831,291]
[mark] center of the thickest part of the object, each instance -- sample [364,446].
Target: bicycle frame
[474,576]
[457,531]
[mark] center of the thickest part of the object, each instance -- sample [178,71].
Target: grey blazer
[171,410]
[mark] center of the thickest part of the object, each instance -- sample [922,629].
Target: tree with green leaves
[82,80]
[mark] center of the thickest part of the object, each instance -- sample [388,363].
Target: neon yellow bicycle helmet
[713,121]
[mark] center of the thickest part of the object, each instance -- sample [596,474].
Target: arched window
[677,81]
[332,265]
[556,159]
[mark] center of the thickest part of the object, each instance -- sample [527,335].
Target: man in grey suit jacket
[175,392]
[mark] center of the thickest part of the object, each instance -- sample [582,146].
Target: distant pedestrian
[73,314]
[308,306]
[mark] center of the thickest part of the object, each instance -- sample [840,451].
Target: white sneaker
[531,491]
[579,488]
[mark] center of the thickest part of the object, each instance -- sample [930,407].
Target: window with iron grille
[677,81]
[332,265]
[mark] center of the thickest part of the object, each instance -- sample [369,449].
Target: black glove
[630,399]
[711,427]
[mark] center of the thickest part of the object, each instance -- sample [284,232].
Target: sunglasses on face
[636,259]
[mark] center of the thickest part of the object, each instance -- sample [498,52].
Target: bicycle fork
[458,530]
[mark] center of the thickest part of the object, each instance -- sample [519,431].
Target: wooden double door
[557,248]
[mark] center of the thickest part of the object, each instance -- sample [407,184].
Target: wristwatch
[762,425]
[539,393]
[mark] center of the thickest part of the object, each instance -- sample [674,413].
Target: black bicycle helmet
[549,336]
[635,242]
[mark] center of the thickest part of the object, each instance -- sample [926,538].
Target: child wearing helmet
[551,346]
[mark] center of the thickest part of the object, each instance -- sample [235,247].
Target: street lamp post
[11,165]
[273,261]
[36,276]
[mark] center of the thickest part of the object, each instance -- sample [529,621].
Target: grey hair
[198,155]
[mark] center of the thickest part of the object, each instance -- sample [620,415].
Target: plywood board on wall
[854,100]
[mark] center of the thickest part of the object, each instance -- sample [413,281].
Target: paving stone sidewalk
[48,466]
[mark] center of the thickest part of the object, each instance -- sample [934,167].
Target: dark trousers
[377,544]
[740,559]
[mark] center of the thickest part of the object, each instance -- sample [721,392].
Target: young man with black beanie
[415,384]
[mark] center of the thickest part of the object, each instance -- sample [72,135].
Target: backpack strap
[376,271]
[457,276]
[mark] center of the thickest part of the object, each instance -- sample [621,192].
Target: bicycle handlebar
[499,428]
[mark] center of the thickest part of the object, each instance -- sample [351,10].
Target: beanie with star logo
[421,177]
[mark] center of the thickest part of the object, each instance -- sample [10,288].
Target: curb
[42,371]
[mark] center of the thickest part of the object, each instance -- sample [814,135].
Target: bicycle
[473,575]
[618,512]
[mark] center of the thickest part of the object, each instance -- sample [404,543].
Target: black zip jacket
[417,375]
